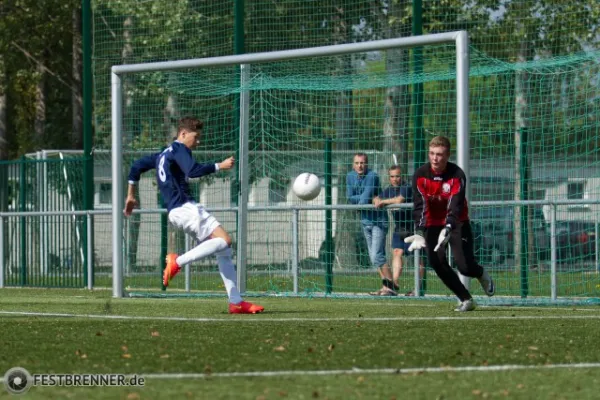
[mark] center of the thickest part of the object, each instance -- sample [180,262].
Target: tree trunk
[395,128]
[170,117]
[40,105]
[135,219]
[347,222]
[3,156]
[77,85]
[3,128]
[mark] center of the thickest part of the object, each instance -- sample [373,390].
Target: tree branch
[40,64]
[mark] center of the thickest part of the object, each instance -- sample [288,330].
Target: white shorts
[194,220]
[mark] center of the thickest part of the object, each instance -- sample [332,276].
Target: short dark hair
[189,124]
[364,155]
[394,167]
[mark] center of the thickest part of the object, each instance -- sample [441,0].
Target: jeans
[375,236]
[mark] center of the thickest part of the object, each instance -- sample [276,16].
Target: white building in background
[575,189]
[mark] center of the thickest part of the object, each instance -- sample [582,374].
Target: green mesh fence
[534,90]
[44,250]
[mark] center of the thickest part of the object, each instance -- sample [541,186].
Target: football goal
[280,113]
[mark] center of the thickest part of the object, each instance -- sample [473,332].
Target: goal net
[311,110]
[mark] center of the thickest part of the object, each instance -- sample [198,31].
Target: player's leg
[199,224]
[465,258]
[368,234]
[397,253]
[229,276]
[205,228]
[439,263]
[380,260]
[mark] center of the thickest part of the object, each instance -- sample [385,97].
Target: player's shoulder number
[162,175]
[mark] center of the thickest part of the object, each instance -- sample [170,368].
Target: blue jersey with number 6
[174,167]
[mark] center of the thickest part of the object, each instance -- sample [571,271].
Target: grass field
[322,348]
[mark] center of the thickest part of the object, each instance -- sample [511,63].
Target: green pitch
[312,348]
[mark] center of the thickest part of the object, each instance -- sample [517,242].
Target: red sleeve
[457,201]
[418,189]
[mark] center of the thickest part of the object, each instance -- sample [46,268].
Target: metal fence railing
[24,263]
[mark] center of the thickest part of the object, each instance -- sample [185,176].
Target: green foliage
[36,45]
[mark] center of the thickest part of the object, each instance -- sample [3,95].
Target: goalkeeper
[174,167]
[442,216]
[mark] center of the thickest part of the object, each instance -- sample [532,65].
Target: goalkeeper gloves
[417,241]
[444,237]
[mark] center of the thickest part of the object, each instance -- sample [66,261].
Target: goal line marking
[259,319]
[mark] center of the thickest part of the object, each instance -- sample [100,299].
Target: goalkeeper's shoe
[487,283]
[171,269]
[245,307]
[467,305]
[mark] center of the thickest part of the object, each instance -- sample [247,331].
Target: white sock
[466,281]
[229,276]
[204,249]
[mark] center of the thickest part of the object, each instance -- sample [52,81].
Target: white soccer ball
[307,186]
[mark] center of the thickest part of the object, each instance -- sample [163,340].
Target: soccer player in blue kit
[174,167]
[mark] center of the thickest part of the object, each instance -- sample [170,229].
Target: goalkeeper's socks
[204,249]
[229,276]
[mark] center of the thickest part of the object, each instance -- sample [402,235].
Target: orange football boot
[245,308]
[171,269]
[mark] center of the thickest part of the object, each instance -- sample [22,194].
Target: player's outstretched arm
[130,202]
[227,163]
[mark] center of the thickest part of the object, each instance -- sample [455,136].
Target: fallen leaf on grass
[164,356]
[331,347]
[279,348]
[126,355]
[155,334]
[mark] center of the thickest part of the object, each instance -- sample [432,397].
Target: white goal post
[460,38]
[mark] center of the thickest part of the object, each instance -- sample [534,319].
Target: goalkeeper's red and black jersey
[439,199]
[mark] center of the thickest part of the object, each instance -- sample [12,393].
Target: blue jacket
[174,167]
[361,190]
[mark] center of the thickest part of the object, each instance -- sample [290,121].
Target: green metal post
[420,149]
[238,48]
[524,172]
[328,221]
[88,157]
[23,230]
